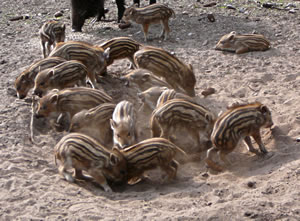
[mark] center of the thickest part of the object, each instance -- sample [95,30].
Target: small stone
[242,10]
[205,175]
[268,5]
[298,139]
[251,184]
[58,14]
[190,34]
[290,5]
[208,91]
[211,18]
[230,7]
[205,42]
[185,13]
[247,214]
[210,4]
[292,11]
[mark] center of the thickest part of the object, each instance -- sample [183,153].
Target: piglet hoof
[69,178]
[76,30]
[267,155]
[107,188]
[212,165]
[134,180]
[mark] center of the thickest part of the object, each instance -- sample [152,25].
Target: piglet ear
[106,53]
[146,76]
[191,67]
[54,98]
[51,73]
[113,159]
[88,115]
[232,35]
[208,117]
[112,124]
[23,78]
[264,109]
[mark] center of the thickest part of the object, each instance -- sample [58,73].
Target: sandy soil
[252,188]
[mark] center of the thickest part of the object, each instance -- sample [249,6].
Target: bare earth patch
[258,188]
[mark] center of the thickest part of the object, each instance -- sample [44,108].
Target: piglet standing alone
[240,122]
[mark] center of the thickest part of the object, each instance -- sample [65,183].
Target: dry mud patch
[252,188]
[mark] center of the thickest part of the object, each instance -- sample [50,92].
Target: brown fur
[238,123]
[95,122]
[152,14]
[150,154]
[167,66]
[83,153]
[239,44]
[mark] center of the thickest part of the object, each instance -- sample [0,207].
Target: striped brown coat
[82,153]
[238,123]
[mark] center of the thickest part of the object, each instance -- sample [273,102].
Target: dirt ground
[258,188]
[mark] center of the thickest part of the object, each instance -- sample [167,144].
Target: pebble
[208,91]
[3,62]
[268,5]
[251,184]
[242,10]
[211,17]
[205,43]
[290,5]
[58,14]
[210,4]
[292,11]
[205,175]
[247,213]
[230,7]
